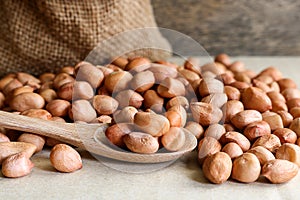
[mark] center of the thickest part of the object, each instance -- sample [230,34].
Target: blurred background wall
[237,27]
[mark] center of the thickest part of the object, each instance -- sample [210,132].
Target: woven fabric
[45,35]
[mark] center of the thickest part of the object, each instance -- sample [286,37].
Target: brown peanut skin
[36,140]
[105,105]
[257,129]
[37,113]
[27,100]
[239,138]
[206,147]
[87,72]
[174,139]
[232,149]
[58,107]
[285,135]
[65,159]
[139,142]
[116,132]
[217,167]
[17,165]
[246,168]
[279,171]
[246,117]
[256,99]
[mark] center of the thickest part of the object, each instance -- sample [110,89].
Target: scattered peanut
[65,159]
[17,165]
[10,148]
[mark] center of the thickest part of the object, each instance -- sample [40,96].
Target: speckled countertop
[182,179]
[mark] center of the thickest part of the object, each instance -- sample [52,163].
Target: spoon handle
[65,132]
[83,136]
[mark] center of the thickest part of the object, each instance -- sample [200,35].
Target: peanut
[61,79]
[141,142]
[58,107]
[138,64]
[117,81]
[295,126]
[82,90]
[36,140]
[195,128]
[246,168]
[257,129]
[116,132]
[65,159]
[154,124]
[279,171]
[153,101]
[246,117]
[105,105]
[230,108]
[170,88]
[205,113]
[270,142]
[27,100]
[263,154]
[233,150]
[10,148]
[290,152]
[206,147]
[48,95]
[142,81]
[66,91]
[174,139]
[215,130]
[232,93]
[126,115]
[236,137]
[217,167]
[17,165]
[129,98]
[256,99]
[210,86]
[161,72]
[285,135]
[89,73]
[4,138]
[37,113]
[82,110]
[273,119]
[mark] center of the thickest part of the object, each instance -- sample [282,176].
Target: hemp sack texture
[44,35]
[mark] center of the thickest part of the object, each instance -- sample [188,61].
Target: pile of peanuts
[254,130]
[247,124]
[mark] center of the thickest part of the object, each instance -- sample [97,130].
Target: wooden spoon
[90,137]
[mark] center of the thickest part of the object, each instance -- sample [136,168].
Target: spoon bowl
[90,137]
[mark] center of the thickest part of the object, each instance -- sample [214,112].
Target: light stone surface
[181,180]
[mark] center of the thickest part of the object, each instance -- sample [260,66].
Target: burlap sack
[44,35]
